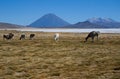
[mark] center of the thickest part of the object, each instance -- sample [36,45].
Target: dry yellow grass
[69,58]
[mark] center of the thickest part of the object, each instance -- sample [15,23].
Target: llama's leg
[92,39]
[20,38]
[86,39]
[97,38]
[55,38]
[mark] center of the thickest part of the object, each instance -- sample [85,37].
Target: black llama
[32,36]
[22,36]
[92,35]
[8,36]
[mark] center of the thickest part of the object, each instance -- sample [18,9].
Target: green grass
[68,58]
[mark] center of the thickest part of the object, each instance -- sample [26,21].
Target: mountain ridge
[101,20]
[107,22]
[49,20]
[52,21]
[4,25]
[96,23]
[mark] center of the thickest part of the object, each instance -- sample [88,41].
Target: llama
[56,36]
[32,36]
[8,36]
[22,36]
[92,35]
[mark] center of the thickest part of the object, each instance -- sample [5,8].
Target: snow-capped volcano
[105,22]
[101,20]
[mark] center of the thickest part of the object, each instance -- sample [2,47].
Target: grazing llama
[92,35]
[22,36]
[8,36]
[32,36]
[56,36]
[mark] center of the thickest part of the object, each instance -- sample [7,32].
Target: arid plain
[68,58]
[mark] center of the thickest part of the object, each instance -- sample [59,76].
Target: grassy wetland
[68,58]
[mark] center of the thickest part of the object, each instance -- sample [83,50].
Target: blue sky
[24,12]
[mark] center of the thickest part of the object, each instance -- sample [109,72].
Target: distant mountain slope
[96,23]
[48,21]
[106,22]
[85,24]
[8,25]
[101,20]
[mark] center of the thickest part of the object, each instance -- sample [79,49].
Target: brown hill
[9,25]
